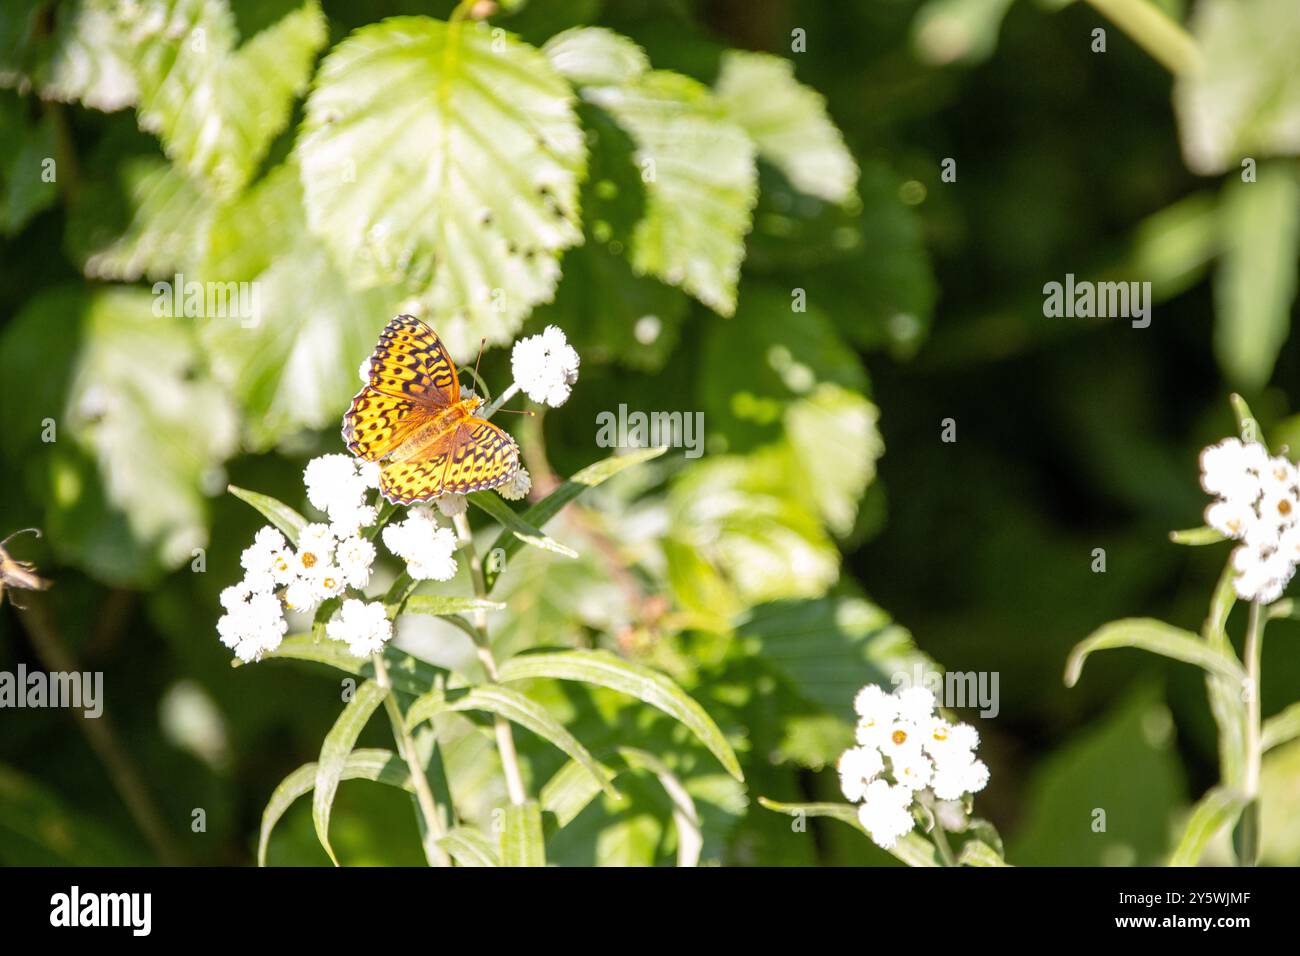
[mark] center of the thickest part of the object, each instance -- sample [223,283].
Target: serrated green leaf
[511,522]
[1219,808]
[88,60]
[382,766]
[408,673]
[514,707]
[605,670]
[521,835]
[274,511]
[697,166]
[334,753]
[833,432]
[290,353]
[1255,284]
[405,119]
[1158,638]
[788,123]
[546,509]
[216,105]
[470,847]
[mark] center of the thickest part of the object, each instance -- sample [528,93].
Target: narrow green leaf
[1247,423]
[549,507]
[979,853]
[516,708]
[690,838]
[1281,728]
[1157,637]
[409,674]
[440,605]
[382,766]
[913,849]
[570,790]
[1197,536]
[521,836]
[1227,703]
[605,670]
[334,752]
[520,528]
[469,847]
[1220,807]
[275,511]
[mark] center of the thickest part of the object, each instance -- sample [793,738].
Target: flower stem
[1248,849]
[1154,31]
[434,827]
[505,736]
[941,844]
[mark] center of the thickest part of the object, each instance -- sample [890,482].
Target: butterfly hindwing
[411,361]
[481,456]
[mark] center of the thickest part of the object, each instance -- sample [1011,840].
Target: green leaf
[833,432]
[1247,423]
[521,835]
[409,674]
[383,766]
[1255,285]
[38,828]
[1281,728]
[1227,702]
[216,105]
[1244,101]
[142,433]
[697,166]
[470,847]
[26,188]
[503,514]
[88,59]
[290,353]
[571,789]
[979,853]
[274,510]
[407,122]
[1197,536]
[444,604]
[913,849]
[549,507]
[605,670]
[1219,808]
[1158,638]
[957,31]
[788,123]
[334,752]
[514,707]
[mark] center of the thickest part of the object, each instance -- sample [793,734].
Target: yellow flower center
[941,733]
[308,559]
[899,737]
[330,584]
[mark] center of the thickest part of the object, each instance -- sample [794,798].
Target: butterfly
[18,574]
[410,418]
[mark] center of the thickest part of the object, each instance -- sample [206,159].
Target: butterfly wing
[411,375]
[479,456]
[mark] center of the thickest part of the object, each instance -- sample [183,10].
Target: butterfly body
[410,418]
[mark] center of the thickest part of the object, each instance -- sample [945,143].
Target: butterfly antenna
[481,343]
[35,531]
[518,411]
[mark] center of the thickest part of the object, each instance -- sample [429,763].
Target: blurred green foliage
[795,267]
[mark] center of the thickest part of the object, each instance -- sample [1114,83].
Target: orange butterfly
[411,419]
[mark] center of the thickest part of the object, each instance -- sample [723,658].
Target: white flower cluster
[1257,503]
[904,747]
[428,549]
[545,366]
[362,625]
[338,485]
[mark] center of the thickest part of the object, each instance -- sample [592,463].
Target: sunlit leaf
[521,835]
[1218,809]
[334,753]
[409,674]
[275,511]
[469,847]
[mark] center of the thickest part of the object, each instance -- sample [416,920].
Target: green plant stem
[434,826]
[1249,850]
[505,736]
[1154,31]
[941,844]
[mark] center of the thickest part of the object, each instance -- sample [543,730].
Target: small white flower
[235,595]
[300,595]
[283,565]
[363,626]
[953,780]
[915,705]
[259,582]
[355,557]
[886,813]
[315,548]
[327,581]
[912,769]
[901,739]
[258,555]
[368,472]
[332,479]
[545,366]
[428,550]
[452,504]
[1232,518]
[858,766]
[345,522]
[518,486]
[254,627]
